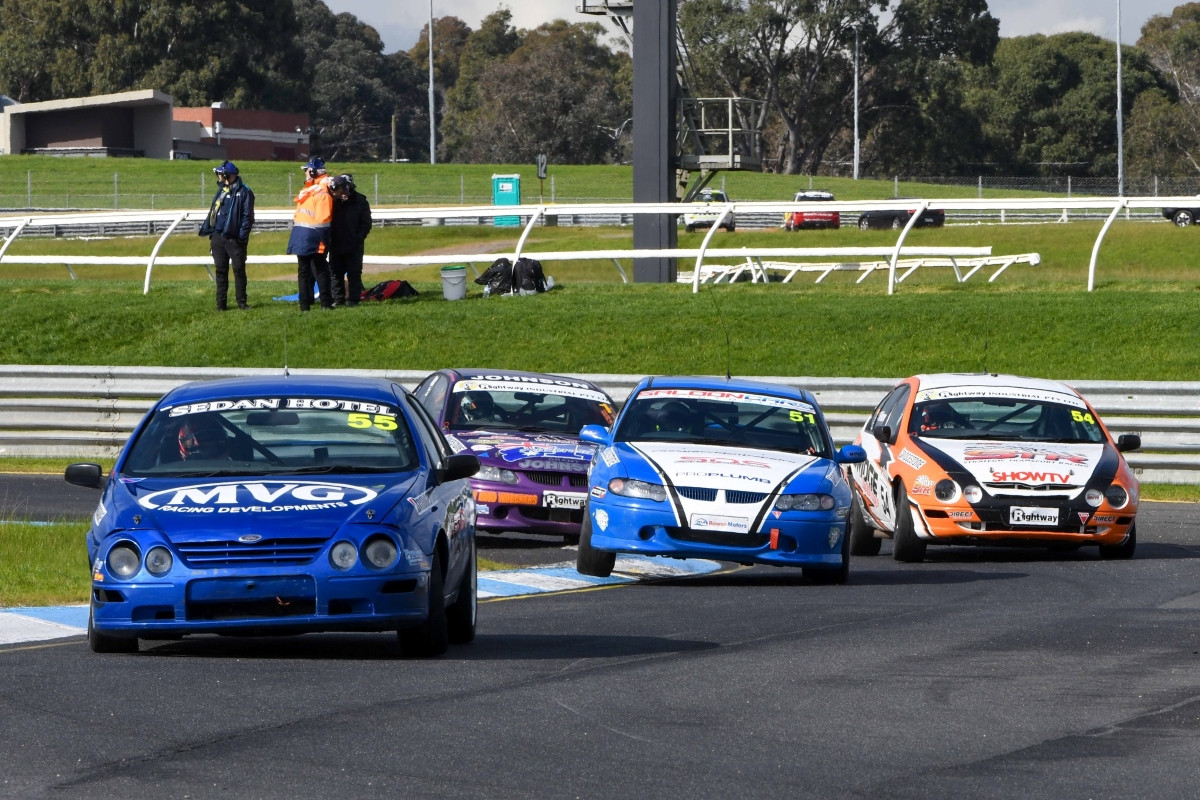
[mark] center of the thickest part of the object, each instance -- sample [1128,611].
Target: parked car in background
[897,218]
[1183,216]
[795,220]
[524,428]
[983,459]
[703,216]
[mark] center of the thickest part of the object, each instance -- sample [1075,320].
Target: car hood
[517,450]
[1033,464]
[725,488]
[281,507]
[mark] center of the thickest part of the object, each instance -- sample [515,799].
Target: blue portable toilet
[506,191]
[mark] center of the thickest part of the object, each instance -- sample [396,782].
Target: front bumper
[261,602]
[793,539]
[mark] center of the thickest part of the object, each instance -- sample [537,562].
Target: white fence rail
[532,215]
[89,412]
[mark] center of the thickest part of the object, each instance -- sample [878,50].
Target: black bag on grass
[386,290]
[498,278]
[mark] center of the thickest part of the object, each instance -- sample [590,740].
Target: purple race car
[524,427]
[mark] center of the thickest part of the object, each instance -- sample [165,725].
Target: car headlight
[380,552]
[1093,498]
[159,561]
[1116,495]
[343,555]
[124,560]
[946,490]
[804,502]
[641,489]
[496,475]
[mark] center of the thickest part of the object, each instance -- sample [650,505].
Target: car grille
[268,552]
[556,478]
[750,541]
[1050,488]
[697,493]
[744,497]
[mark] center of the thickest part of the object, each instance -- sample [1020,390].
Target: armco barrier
[88,412]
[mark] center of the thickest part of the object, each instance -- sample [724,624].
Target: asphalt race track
[978,674]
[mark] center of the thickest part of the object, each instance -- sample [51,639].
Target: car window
[495,405]
[435,443]
[724,417]
[431,393]
[1005,418]
[273,435]
[886,404]
[895,410]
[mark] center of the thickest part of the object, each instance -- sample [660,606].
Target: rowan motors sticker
[275,403]
[911,458]
[707,522]
[728,397]
[257,497]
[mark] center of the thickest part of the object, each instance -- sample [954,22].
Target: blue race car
[283,505]
[732,470]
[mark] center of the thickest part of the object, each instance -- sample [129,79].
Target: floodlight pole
[432,109]
[1120,115]
[856,103]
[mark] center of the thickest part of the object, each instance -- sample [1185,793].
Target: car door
[873,478]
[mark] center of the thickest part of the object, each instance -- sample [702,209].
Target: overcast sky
[400,22]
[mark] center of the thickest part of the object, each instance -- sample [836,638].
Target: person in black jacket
[351,224]
[227,227]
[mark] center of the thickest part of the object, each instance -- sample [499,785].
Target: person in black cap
[227,227]
[351,224]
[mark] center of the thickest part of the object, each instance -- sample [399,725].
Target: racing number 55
[384,423]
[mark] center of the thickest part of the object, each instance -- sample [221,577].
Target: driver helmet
[935,416]
[674,416]
[202,437]
[476,406]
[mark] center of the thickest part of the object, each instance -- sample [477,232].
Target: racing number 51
[384,423]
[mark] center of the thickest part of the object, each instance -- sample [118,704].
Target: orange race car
[985,459]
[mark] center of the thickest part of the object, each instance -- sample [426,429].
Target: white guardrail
[88,412]
[532,215]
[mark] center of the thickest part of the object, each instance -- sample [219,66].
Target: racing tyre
[906,546]
[863,223]
[460,617]
[863,541]
[103,643]
[431,637]
[1183,217]
[597,563]
[729,228]
[897,224]
[1111,552]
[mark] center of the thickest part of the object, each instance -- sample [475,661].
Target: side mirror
[88,474]
[883,433]
[850,454]
[594,434]
[458,466]
[1128,441]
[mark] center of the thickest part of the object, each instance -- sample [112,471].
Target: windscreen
[533,408]
[272,436]
[732,418]
[1026,415]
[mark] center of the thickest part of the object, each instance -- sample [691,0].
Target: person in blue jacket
[227,227]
